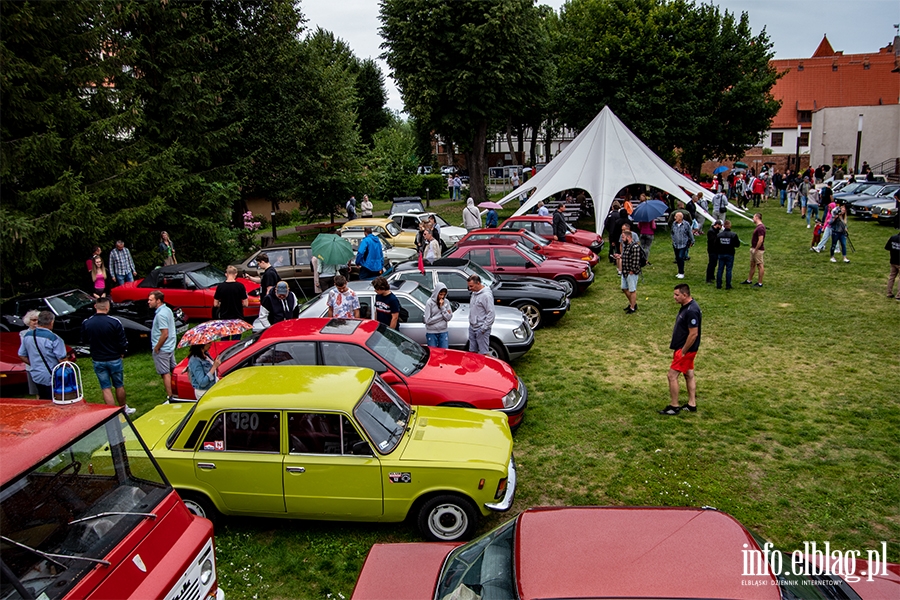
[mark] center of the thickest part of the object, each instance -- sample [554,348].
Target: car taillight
[501,489]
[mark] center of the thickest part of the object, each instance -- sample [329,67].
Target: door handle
[295,469]
[206,466]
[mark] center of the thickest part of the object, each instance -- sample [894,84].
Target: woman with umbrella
[331,253]
[202,369]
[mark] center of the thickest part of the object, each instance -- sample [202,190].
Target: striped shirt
[120,262]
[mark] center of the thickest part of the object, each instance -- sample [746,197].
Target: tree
[461,67]
[371,100]
[681,76]
[393,161]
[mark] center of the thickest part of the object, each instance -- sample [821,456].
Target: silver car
[511,337]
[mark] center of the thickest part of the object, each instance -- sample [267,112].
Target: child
[817,233]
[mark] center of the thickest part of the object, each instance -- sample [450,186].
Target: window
[316,433]
[365,307]
[804,138]
[804,116]
[480,257]
[424,279]
[777,139]
[453,280]
[279,258]
[543,228]
[518,225]
[302,256]
[506,257]
[350,355]
[287,353]
[416,314]
[172,282]
[244,432]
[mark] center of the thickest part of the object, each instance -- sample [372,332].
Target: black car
[71,307]
[540,300]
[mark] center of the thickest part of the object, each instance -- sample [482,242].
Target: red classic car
[509,257]
[620,552]
[12,369]
[421,375]
[543,226]
[544,247]
[188,286]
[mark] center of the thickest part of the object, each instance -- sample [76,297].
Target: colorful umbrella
[720,169]
[493,205]
[332,249]
[213,330]
[649,211]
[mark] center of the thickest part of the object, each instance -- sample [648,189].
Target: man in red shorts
[685,342]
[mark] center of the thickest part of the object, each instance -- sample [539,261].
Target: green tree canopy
[681,76]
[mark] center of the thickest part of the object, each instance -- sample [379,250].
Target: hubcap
[570,289]
[531,313]
[195,508]
[447,521]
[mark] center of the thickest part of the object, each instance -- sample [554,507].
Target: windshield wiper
[110,514]
[50,556]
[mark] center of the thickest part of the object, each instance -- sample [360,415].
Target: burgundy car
[543,226]
[611,552]
[544,247]
[509,257]
[12,369]
[421,375]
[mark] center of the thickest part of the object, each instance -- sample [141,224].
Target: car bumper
[584,284]
[506,503]
[556,313]
[596,247]
[516,414]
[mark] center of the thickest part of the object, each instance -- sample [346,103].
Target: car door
[240,458]
[508,261]
[400,237]
[414,325]
[338,354]
[457,285]
[181,291]
[302,275]
[330,469]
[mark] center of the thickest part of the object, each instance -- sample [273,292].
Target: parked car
[511,336]
[861,206]
[543,226]
[615,552]
[857,188]
[539,300]
[541,245]
[419,375]
[383,227]
[886,212]
[189,286]
[450,234]
[448,170]
[12,369]
[392,254]
[509,257]
[71,307]
[407,204]
[332,443]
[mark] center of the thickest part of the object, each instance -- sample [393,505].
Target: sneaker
[627,308]
[679,276]
[689,408]
[747,282]
[129,410]
[670,410]
[818,251]
[833,259]
[631,311]
[729,287]
[811,249]
[846,259]
[758,285]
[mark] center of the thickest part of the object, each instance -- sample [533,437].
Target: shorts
[629,282]
[682,363]
[32,386]
[164,362]
[110,373]
[756,258]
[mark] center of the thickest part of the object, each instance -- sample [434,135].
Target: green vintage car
[333,443]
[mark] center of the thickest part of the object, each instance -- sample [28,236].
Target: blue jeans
[726,263]
[812,211]
[438,340]
[783,193]
[126,278]
[680,255]
[110,373]
[842,238]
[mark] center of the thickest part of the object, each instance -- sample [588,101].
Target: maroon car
[420,375]
[543,226]
[509,257]
[541,245]
[614,552]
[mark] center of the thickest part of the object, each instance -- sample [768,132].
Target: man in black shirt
[893,245]
[559,223]
[106,337]
[231,296]
[728,242]
[387,307]
[280,304]
[685,343]
[269,277]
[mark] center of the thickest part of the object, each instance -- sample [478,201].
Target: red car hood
[569,247]
[401,571]
[445,367]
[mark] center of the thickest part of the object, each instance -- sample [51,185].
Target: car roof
[31,431]
[295,328]
[497,241]
[441,262]
[368,222]
[561,551]
[288,387]
[528,218]
[153,277]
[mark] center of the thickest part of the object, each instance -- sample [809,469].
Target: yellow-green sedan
[385,228]
[332,443]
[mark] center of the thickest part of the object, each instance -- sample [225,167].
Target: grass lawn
[796,433]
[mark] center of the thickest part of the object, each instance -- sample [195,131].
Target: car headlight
[206,571]
[455,238]
[520,332]
[511,399]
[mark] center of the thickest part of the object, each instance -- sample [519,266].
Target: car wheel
[569,284]
[498,350]
[447,518]
[199,505]
[532,314]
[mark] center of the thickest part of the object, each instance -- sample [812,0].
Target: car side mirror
[390,378]
[529,265]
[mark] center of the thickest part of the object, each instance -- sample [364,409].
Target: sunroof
[344,326]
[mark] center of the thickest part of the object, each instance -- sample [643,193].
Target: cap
[281,288]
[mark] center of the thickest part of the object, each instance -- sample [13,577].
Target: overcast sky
[795,26]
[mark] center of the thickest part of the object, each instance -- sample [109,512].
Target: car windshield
[398,350]
[889,190]
[872,190]
[483,568]
[486,277]
[393,229]
[531,254]
[77,505]
[420,294]
[69,302]
[384,415]
[239,346]
[207,277]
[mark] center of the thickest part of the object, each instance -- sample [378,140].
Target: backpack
[643,259]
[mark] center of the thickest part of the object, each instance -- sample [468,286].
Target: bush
[282,218]
[296,216]
[436,185]
[263,221]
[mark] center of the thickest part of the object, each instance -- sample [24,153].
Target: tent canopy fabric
[604,158]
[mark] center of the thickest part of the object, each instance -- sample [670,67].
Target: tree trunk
[509,142]
[548,140]
[477,159]
[521,135]
[535,130]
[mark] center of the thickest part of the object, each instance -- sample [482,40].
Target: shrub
[263,221]
[282,218]
[436,185]
[296,216]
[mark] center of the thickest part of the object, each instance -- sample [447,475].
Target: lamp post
[274,231]
[798,148]
[428,197]
[858,143]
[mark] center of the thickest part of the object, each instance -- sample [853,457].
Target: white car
[394,254]
[409,221]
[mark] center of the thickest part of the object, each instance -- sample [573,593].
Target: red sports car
[509,257]
[188,286]
[620,552]
[544,247]
[543,226]
[12,369]
[421,375]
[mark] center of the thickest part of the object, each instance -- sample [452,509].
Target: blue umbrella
[720,169]
[649,211]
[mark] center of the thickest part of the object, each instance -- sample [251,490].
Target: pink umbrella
[493,205]
[213,330]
